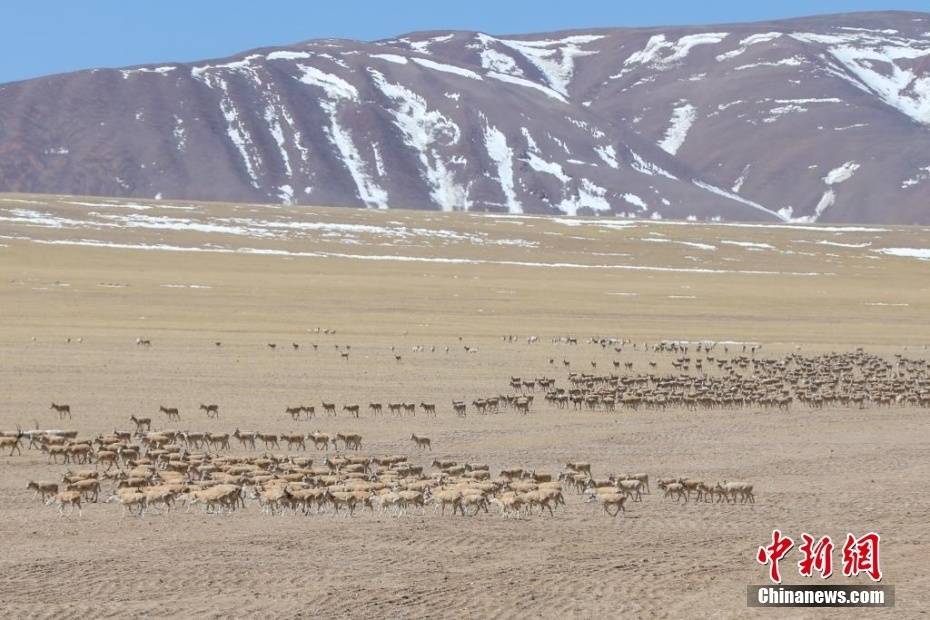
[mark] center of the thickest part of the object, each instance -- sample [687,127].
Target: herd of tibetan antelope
[149,470]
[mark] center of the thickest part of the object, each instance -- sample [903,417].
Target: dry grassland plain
[188,275]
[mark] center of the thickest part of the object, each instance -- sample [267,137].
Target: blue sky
[53,36]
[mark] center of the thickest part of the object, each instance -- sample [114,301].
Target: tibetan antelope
[246,438]
[421,442]
[213,411]
[141,423]
[270,439]
[171,412]
[12,442]
[351,441]
[63,410]
[320,440]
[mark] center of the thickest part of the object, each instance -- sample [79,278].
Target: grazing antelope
[460,408]
[410,408]
[63,410]
[213,411]
[352,409]
[375,408]
[141,423]
[295,345]
[428,408]
[329,408]
[144,342]
[272,346]
[421,442]
[344,355]
[294,412]
[171,412]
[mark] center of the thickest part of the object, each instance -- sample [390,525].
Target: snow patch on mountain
[683,117]
[555,59]
[871,63]
[608,154]
[744,44]
[589,196]
[841,173]
[661,53]
[338,91]
[503,77]
[397,60]
[497,62]
[287,55]
[156,70]
[722,192]
[446,68]
[922,175]
[425,131]
[648,168]
[495,142]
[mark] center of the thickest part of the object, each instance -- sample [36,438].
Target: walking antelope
[213,411]
[141,423]
[421,442]
[351,441]
[246,438]
[12,442]
[270,439]
[63,410]
[320,440]
[171,412]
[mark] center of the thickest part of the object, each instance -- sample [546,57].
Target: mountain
[814,119]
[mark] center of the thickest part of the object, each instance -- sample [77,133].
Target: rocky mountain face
[817,119]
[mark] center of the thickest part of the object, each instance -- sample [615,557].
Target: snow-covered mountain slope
[814,119]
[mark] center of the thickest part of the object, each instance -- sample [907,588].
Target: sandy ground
[826,472]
